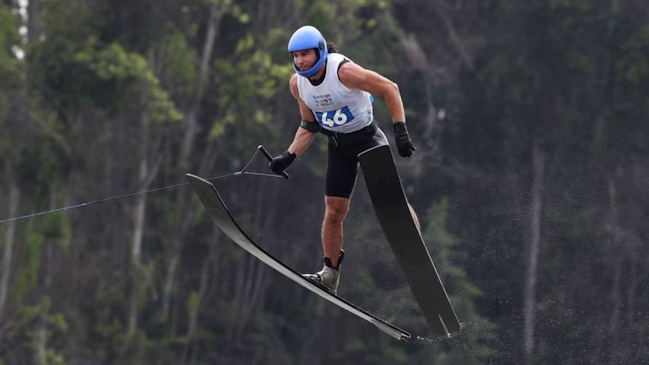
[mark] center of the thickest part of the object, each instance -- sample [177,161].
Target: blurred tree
[529,178]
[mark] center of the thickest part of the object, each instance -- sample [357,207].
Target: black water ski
[222,217]
[390,204]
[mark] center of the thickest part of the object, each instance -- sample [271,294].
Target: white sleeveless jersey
[336,107]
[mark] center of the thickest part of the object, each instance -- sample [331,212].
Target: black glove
[401,136]
[281,162]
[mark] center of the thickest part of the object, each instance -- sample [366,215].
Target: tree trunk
[145,178]
[41,331]
[216,14]
[34,27]
[40,340]
[252,275]
[14,198]
[455,38]
[607,73]
[614,319]
[193,320]
[138,230]
[532,255]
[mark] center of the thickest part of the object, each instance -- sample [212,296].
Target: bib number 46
[335,118]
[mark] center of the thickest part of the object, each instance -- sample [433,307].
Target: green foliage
[26,315]
[83,69]
[232,8]
[321,14]
[57,322]
[57,228]
[130,78]
[344,21]
[54,358]
[440,242]
[28,274]
[69,21]
[10,66]
[179,72]
[30,320]
[193,303]
[42,166]
[250,79]
[445,248]
[9,38]
[633,66]
[572,74]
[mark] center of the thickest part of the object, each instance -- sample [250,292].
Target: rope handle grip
[270,158]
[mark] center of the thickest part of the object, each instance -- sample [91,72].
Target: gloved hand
[281,162]
[401,136]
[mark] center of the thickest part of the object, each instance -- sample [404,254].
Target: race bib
[335,118]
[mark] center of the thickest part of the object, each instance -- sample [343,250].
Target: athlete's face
[305,59]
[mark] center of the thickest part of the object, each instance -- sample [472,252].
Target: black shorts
[342,163]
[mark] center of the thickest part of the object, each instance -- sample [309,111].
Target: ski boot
[329,276]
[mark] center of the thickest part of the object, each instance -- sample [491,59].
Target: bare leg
[336,209]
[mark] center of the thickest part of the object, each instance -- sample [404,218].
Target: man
[335,98]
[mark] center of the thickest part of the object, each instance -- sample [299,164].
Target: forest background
[531,122]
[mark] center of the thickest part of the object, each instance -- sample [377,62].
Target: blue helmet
[308,37]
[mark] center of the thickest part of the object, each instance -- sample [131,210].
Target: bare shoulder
[292,84]
[352,75]
[355,76]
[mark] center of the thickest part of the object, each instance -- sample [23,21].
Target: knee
[336,209]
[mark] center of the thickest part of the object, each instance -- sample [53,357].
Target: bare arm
[354,76]
[303,138]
